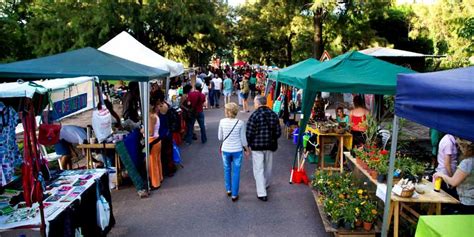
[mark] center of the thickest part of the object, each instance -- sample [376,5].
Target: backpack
[174,119]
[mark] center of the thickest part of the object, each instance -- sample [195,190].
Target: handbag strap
[230,131]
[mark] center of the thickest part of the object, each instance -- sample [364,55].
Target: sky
[235,2]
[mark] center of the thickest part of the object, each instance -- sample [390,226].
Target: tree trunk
[318,46]
[289,49]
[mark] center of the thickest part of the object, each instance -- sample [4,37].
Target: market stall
[441,100]
[86,62]
[24,204]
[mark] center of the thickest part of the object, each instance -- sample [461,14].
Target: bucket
[305,140]
[295,136]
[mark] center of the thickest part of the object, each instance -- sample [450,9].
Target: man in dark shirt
[195,101]
[131,103]
[263,131]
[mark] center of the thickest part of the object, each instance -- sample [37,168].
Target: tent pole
[145,99]
[93,91]
[388,194]
[167,87]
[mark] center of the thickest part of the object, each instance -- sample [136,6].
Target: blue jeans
[217,97]
[232,162]
[190,124]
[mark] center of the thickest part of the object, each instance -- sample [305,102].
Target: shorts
[227,92]
[244,95]
[63,148]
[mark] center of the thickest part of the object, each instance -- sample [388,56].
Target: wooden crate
[341,232]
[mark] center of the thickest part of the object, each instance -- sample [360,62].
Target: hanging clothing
[9,153]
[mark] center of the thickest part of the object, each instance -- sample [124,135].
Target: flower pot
[367,226]
[358,223]
[348,225]
[364,166]
[381,178]
[335,225]
[373,174]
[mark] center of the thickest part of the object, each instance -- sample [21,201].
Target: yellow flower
[374,211]
[357,210]
[362,203]
[330,202]
[341,196]
[360,191]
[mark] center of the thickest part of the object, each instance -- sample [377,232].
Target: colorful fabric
[130,167]
[445,225]
[9,153]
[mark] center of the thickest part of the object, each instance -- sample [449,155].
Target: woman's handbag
[220,147]
[49,134]
[277,104]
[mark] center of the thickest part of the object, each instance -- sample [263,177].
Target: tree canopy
[272,32]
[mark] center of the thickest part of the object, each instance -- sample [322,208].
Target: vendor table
[345,140]
[397,204]
[111,146]
[448,225]
[63,216]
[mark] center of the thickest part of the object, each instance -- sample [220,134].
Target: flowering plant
[369,211]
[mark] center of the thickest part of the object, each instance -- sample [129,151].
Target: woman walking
[232,134]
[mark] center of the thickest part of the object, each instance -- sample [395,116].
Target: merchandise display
[9,154]
[59,195]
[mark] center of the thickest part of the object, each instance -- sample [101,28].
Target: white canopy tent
[125,46]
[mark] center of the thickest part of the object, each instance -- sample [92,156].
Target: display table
[71,206]
[397,204]
[108,146]
[448,225]
[345,140]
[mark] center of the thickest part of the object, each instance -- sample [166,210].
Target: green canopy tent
[82,62]
[86,62]
[352,72]
[296,74]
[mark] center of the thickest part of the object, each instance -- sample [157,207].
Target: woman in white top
[232,133]
[155,169]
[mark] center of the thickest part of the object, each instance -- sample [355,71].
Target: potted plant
[348,215]
[369,214]
[417,170]
[382,169]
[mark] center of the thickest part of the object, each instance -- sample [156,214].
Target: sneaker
[235,198]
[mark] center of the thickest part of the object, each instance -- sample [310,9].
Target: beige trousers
[262,170]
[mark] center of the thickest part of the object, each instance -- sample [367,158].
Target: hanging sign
[325,56]
[68,106]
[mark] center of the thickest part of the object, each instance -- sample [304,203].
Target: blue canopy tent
[442,100]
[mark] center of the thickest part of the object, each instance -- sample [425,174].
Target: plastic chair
[51,156]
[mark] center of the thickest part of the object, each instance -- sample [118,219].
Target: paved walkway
[194,202]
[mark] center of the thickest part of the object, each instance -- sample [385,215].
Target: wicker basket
[407,193]
[340,130]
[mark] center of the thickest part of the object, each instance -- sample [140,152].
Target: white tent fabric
[20,89]
[386,52]
[125,46]
[28,89]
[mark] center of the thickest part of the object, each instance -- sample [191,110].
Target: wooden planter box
[340,232]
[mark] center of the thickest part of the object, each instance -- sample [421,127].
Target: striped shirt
[236,139]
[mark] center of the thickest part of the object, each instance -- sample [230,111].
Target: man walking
[217,89]
[195,101]
[263,131]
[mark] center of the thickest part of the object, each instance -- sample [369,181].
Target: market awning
[125,46]
[21,89]
[442,100]
[296,74]
[82,62]
[354,72]
[387,52]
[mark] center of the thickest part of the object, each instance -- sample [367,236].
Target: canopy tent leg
[167,87]
[388,194]
[145,92]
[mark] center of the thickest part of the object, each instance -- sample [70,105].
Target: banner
[68,106]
